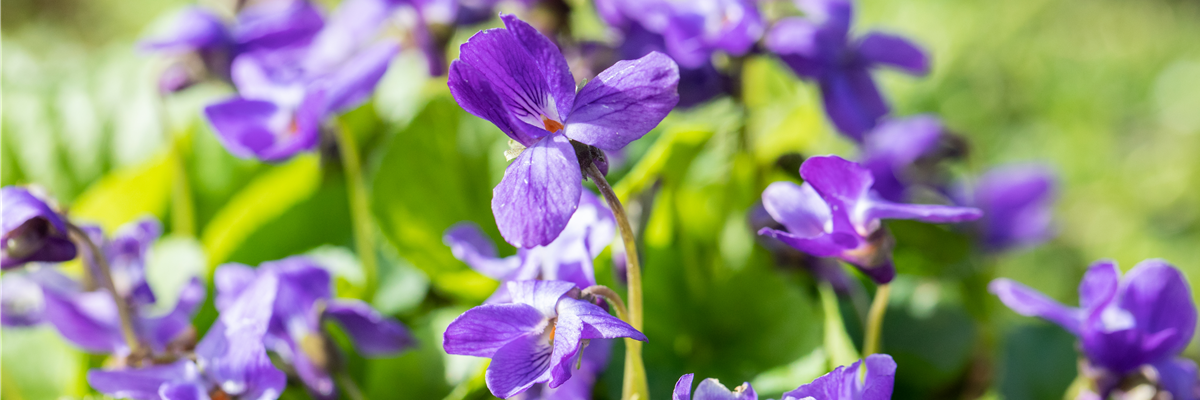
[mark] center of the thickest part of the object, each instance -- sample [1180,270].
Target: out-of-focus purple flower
[536,338]
[825,269]
[286,93]
[304,300]
[1017,202]
[711,389]
[517,79]
[199,33]
[230,362]
[691,30]
[32,231]
[836,214]
[850,383]
[1147,318]
[89,319]
[819,47]
[893,147]
[568,258]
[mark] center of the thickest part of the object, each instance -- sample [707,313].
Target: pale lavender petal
[798,207]
[893,51]
[883,209]
[372,333]
[625,102]
[549,59]
[474,93]
[468,243]
[843,184]
[21,303]
[539,192]
[317,379]
[483,330]
[141,383]
[519,365]
[1179,377]
[1026,301]
[819,246]
[88,320]
[567,336]
[233,352]
[277,24]
[1099,286]
[352,25]
[852,101]
[159,331]
[712,389]
[1017,203]
[193,28]
[355,81]
[796,42]
[230,280]
[683,388]
[892,147]
[542,295]
[183,391]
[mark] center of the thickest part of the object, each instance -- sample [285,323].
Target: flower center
[28,238]
[551,125]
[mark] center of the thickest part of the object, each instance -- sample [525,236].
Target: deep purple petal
[1026,301]
[852,101]
[845,382]
[796,41]
[183,391]
[1179,377]
[712,389]
[883,209]
[625,102]
[819,246]
[32,231]
[683,388]
[893,51]
[538,194]
[126,254]
[1158,298]
[890,149]
[193,29]
[516,77]
[475,93]
[141,383]
[372,333]
[259,129]
[277,24]
[1099,286]
[520,364]
[880,378]
[578,320]
[230,280]
[483,330]
[542,295]
[844,185]
[549,59]
[88,320]
[1017,205]
[469,244]
[355,81]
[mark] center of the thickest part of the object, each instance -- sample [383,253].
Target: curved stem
[123,310]
[612,297]
[875,320]
[635,386]
[350,388]
[360,211]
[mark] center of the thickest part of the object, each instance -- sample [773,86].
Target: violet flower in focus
[836,214]
[32,231]
[230,362]
[535,339]
[568,258]
[517,79]
[818,47]
[711,389]
[848,382]
[824,269]
[1144,319]
[303,302]
[285,94]
[583,380]
[1017,201]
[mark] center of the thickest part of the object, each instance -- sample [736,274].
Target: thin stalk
[123,310]
[612,297]
[635,386]
[875,320]
[360,210]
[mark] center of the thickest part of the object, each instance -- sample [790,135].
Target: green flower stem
[360,211]
[875,320]
[635,386]
[183,212]
[123,310]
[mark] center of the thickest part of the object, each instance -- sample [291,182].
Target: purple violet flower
[568,258]
[583,380]
[818,47]
[891,149]
[304,300]
[285,94]
[230,362]
[711,389]
[836,214]
[692,30]
[536,338]
[88,318]
[1017,202]
[1147,318]
[32,231]
[849,383]
[824,269]
[517,79]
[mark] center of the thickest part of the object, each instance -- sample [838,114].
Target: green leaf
[428,180]
[48,366]
[127,194]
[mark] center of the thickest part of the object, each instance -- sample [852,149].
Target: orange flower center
[551,125]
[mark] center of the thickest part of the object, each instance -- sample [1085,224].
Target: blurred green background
[1107,92]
